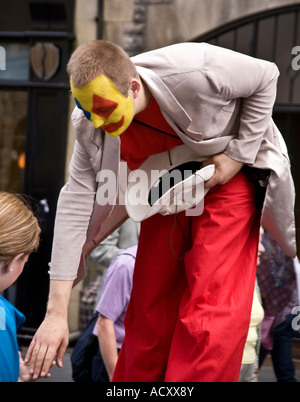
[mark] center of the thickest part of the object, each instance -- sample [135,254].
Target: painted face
[104,105]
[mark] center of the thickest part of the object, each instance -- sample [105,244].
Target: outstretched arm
[74,208]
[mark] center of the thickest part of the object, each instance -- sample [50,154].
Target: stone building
[38,37]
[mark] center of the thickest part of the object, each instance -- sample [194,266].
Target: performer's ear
[135,87]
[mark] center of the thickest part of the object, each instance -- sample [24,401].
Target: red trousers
[188,316]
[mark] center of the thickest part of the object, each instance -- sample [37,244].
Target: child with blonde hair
[19,237]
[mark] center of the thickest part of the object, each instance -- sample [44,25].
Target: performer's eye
[105,112]
[103,107]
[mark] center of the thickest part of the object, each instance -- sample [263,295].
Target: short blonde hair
[97,57]
[19,228]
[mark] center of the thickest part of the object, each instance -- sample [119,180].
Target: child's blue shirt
[10,320]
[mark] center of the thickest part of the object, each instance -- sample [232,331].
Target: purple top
[116,291]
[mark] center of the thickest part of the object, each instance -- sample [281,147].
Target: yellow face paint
[104,105]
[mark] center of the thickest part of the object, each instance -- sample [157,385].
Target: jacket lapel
[166,100]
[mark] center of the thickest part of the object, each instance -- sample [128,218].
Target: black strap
[155,129]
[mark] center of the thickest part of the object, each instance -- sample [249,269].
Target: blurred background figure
[112,308]
[278,286]
[125,236]
[249,368]
[96,352]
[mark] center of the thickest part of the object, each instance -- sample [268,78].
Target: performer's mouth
[110,128]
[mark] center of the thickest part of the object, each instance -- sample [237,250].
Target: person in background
[278,286]
[112,308]
[19,237]
[249,369]
[125,236]
[96,352]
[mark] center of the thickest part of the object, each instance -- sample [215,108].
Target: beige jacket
[217,101]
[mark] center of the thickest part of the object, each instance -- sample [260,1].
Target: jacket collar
[164,97]
[97,137]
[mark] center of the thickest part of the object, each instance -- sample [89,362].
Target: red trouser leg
[158,284]
[215,310]
[189,322]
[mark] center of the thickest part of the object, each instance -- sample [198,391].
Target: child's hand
[24,375]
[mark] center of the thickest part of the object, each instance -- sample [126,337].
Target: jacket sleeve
[74,209]
[254,81]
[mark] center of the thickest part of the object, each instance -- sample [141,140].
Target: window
[13,122]
[17,61]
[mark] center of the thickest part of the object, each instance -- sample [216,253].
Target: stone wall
[140,25]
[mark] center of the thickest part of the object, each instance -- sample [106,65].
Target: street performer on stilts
[193,284]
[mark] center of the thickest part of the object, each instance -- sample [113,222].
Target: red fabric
[188,320]
[139,142]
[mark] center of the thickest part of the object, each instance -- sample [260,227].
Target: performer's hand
[51,339]
[24,374]
[226,169]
